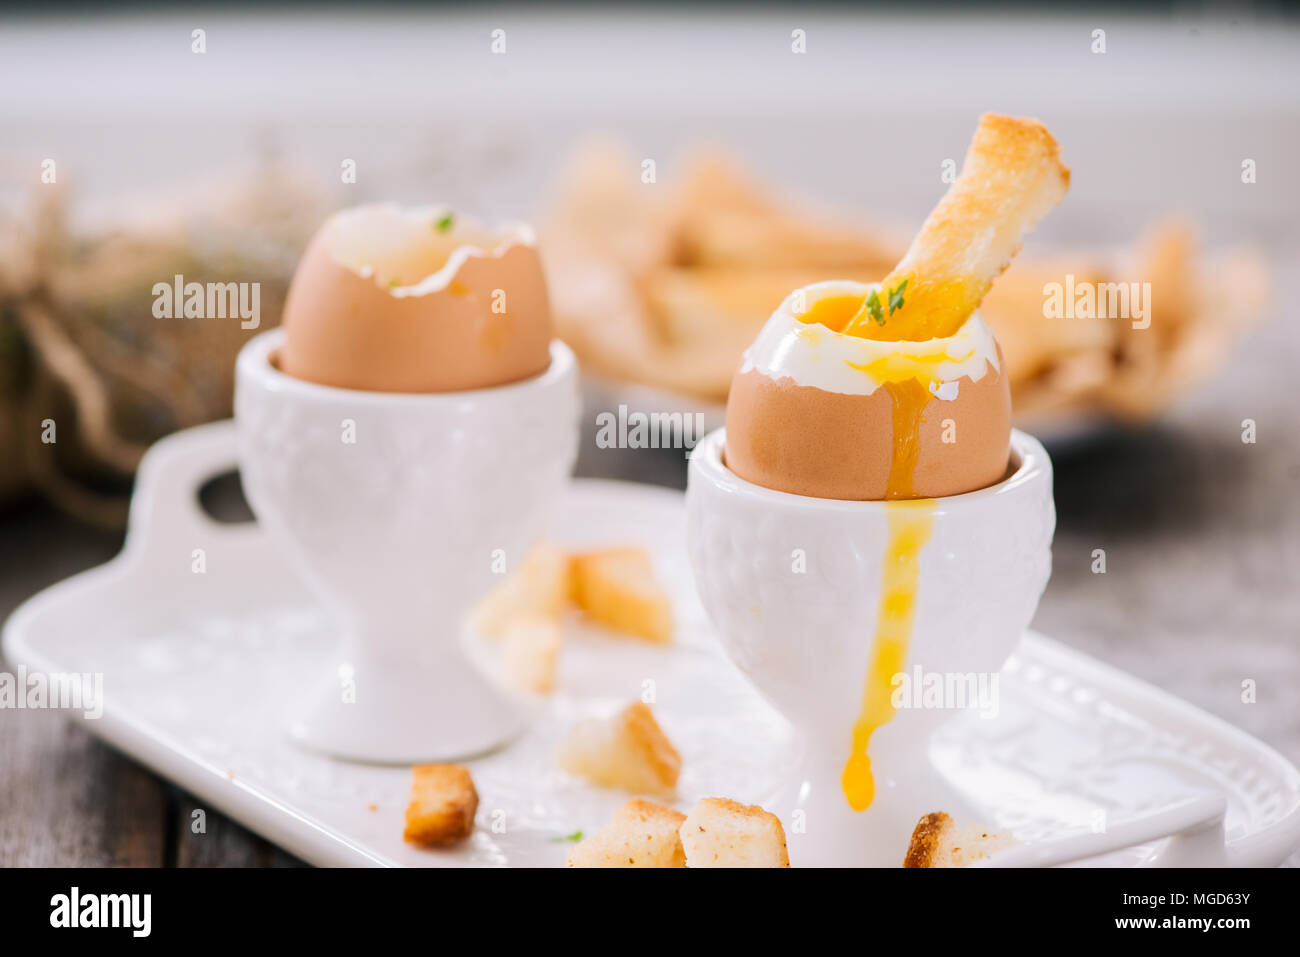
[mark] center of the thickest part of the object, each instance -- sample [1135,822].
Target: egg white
[814,355]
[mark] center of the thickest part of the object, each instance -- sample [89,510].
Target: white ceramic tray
[199,667]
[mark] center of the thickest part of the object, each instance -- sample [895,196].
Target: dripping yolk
[936,310]
[910,398]
[910,524]
[907,378]
[928,311]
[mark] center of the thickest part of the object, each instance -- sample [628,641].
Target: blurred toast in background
[669,292]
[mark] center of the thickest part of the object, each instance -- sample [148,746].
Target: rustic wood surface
[68,799]
[1202,539]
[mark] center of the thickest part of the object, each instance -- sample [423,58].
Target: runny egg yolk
[910,520]
[906,378]
[930,309]
[910,524]
[833,312]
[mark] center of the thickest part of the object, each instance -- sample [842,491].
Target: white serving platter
[199,667]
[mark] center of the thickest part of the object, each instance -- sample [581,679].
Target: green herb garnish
[573,838]
[394,283]
[444,224]
[874,307]
[896,297]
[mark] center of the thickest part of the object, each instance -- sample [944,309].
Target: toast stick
[1011,177]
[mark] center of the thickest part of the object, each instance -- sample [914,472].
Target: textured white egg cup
[393,507]
[792,585]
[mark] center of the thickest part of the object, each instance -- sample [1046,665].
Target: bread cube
[642,834]
[539,587]
[722,833]
[627,751]
[617,588]
[530,649]
[443,804]
[937,841]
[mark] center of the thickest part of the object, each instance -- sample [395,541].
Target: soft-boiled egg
[896,391]
[389,299]
[820,412]
[817,409]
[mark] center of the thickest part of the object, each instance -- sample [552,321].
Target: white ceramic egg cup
[792,585]
[400,511]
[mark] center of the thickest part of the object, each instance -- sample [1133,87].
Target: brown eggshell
[807,441]
[345,330]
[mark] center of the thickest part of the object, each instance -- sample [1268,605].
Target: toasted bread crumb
[540,587]
[443,804]
[642,834]
[530,647]
[938,842]
[628,751]
[617,588]
[722,833]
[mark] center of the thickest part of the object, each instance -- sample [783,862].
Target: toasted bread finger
[1011,177]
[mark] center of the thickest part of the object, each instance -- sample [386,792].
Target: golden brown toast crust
[629,750]
[642,834]
[713,835]
[1011,177]
[926,839]
[443,804]
[938,842]
[617,588]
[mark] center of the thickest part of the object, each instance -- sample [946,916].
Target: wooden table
[1201,592]
[68,799]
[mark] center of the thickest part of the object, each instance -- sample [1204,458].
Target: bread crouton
[643,834]
[628,751]
[443,804]
[938,842]
[617,588]
[530,647]
[539,587]
[723,833]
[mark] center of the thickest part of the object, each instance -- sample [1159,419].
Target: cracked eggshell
[386,301]
[808,441]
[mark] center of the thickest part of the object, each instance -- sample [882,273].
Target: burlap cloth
[80,346]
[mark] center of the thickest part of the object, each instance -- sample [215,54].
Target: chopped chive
[874,307]
[896,297]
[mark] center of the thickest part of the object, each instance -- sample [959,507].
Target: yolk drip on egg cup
[907,378]
[1011,177]
[910,525]
[908,381]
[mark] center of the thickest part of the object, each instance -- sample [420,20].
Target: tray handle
[165,504]
[1195,823]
